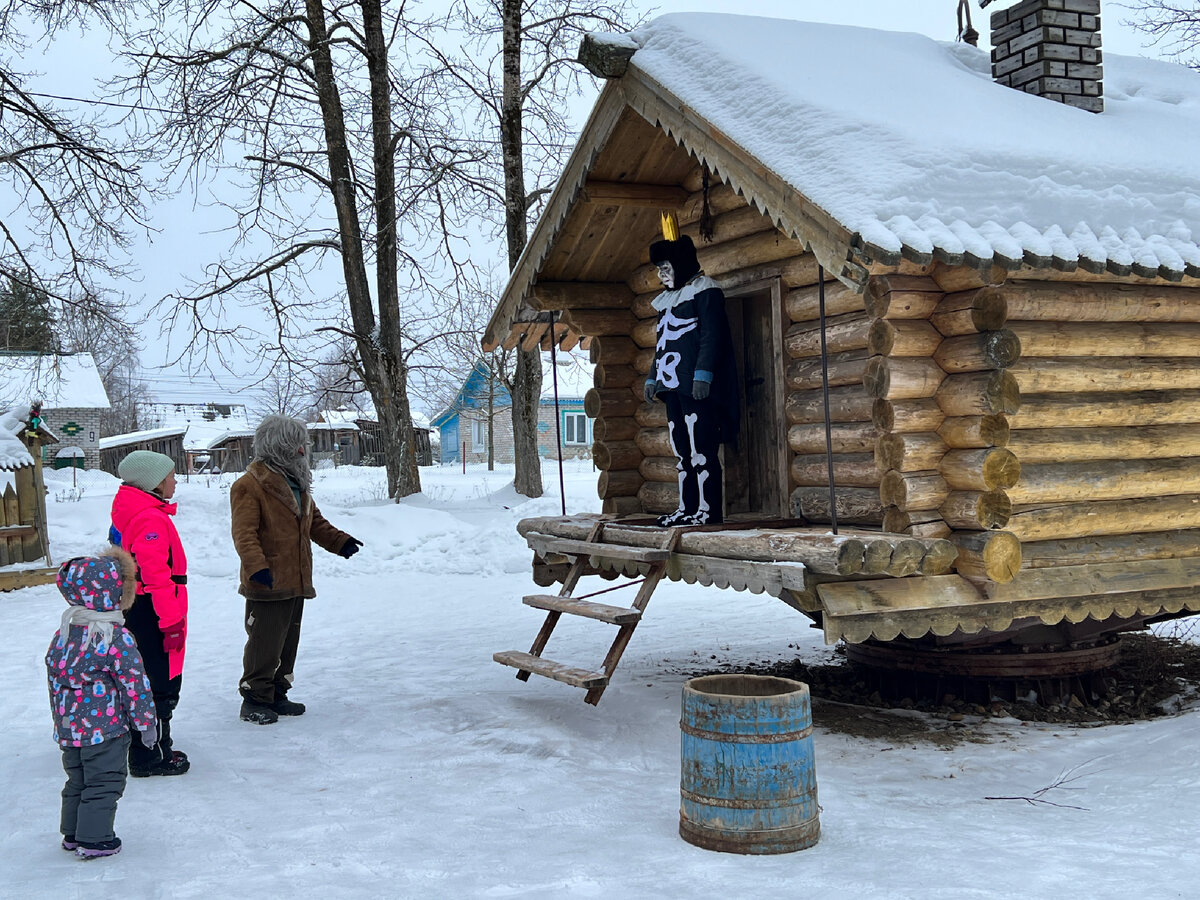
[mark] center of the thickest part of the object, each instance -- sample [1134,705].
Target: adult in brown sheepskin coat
[275,523]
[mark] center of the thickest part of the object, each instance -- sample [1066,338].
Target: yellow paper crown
[670,226]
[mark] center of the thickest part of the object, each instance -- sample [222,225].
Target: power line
[137,107]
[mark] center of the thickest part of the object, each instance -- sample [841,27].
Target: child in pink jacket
[142,526]
[98,695]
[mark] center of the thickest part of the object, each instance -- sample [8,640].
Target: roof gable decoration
[939,163]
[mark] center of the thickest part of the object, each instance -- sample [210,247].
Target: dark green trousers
[272,637]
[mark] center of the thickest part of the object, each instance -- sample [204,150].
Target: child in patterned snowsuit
[99,693]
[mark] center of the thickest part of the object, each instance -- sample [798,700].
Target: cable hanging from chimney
[967,32]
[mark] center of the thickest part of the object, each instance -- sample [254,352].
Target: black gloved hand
[701,390]
[649,391]
[350,548]
[263,577]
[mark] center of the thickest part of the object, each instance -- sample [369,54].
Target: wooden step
[616,615]
[550,669]
[608,551]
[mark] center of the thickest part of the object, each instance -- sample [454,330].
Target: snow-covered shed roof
[137,437]
[60,381]
[342,416]
[202,424]
[13,452]
[875,146]
[365,412]
[332,426]
[908,143]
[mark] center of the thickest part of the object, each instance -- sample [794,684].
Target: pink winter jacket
[146,532]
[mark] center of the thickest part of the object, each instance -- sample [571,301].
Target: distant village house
[463,425]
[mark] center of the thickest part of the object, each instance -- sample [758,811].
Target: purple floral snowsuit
[98,688]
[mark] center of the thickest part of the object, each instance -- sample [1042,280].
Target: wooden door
[756,470]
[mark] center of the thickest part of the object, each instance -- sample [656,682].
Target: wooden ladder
[625,618]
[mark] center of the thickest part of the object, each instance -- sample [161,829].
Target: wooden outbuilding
[24,535]
[998,294]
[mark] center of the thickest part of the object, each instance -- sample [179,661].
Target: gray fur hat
[145,469]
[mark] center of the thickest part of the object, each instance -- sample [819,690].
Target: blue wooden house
[464,424]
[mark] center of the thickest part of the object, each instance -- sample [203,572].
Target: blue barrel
[748,781]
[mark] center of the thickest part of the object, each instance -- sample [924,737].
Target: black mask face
[681,254]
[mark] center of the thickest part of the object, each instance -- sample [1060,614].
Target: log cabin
[965,294]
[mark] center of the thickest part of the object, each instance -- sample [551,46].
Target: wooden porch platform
[862,584]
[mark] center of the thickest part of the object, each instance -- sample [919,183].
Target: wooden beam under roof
[628,193]
[580,295]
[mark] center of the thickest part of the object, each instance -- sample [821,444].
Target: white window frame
[580,427]
[478,434]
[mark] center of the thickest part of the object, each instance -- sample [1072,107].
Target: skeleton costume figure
[695,376]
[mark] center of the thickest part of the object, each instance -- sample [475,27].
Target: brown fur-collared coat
[271,532]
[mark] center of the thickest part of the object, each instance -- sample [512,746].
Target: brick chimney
[1051,48]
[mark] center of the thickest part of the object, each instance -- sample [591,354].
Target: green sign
[71,429]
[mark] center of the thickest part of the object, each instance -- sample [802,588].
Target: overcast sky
[184,242]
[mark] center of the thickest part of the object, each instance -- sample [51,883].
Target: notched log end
[606,55]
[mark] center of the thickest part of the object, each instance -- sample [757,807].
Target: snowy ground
[424,770]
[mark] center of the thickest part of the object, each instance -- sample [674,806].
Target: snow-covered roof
[343,415]
[202,424]
[137,437]
[13,452]
[60,382]
[230,435]
[908,144]
[332,426]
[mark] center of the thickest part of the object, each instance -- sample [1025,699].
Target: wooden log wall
[1106,430]
[941,384]
[848,341]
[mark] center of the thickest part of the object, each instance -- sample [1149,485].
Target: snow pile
[908,143]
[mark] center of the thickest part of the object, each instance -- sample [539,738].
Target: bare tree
[513,65]
[445,379]
[282,392]
[345,159]
[78,191]
[337,380]
[1173,26]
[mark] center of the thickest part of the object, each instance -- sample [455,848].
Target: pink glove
[174,636]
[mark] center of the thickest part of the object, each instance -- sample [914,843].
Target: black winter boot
[258,713]
[175,764]
[285,707]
